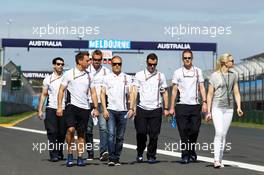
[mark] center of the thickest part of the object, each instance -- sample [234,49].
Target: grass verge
[248,125]
[241,124]
[16,117]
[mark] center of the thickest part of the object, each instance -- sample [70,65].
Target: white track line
[168,153]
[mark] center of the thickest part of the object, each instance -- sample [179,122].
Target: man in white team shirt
[97,72]
[117,87]
[187,83]
[151,86]
[55,125]
[78,83]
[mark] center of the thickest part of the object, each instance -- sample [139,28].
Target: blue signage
[109,44]
[138,45]
[44,43]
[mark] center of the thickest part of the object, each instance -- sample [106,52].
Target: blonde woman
[220,102]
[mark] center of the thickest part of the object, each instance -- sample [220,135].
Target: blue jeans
[103,133]
[116,131]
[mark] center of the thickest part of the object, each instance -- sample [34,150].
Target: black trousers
[148,122]
[56,132]
[188,122]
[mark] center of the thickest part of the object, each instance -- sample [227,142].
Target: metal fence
[252,97]
[15,100]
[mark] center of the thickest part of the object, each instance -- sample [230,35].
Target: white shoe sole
[104,156]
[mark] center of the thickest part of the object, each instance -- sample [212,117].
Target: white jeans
[222,119]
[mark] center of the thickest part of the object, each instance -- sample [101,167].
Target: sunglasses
[115,64]
[231,61]
[60,64]
[150,64]
[187,58]
[99,60]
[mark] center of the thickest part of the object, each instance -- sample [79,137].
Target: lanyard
[152,75]
[125,95]
[97,71]
[195,71]
[159,84]
[54,79]
[77,76]
[227,86]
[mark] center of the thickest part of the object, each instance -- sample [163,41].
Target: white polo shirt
[78,84]
[97,79]
[117,87]
[150,86]
[52,84]
[188,84]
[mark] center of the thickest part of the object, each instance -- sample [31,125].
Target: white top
[78,85]
[117,89]
[97,78]
[150,87]
[52,84]
[188,84]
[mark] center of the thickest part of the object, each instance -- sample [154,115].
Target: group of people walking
[87,93]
